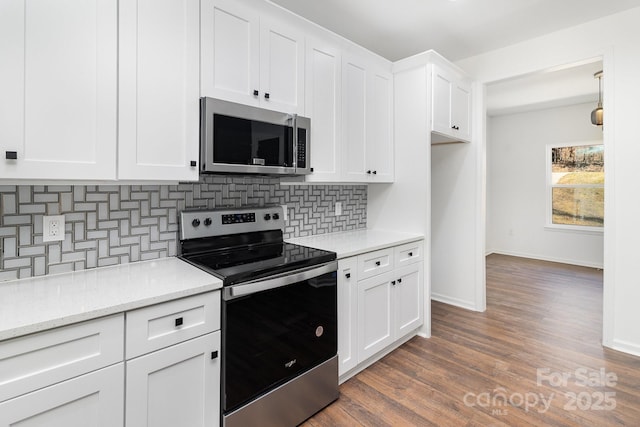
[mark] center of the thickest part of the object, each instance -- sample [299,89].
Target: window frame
[587,229]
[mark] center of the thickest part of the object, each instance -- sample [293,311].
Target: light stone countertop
[46,302]
[350,243]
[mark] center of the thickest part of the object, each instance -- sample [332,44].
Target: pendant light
[598,114]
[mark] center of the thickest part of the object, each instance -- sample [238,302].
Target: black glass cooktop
[251,262]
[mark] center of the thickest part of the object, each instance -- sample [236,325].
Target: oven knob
[207,221]
[195,222]
[267,217]
[276,216]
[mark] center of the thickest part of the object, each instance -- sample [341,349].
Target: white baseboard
[469,305]
[551,259]
[626,347]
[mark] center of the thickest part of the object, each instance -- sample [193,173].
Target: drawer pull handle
[179,321]
[410,253]
[377,263]
[399,280]
[11,155]
[214,355]
[348,275]
[393,282]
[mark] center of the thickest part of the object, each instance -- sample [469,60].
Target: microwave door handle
[277,282]
[294,122]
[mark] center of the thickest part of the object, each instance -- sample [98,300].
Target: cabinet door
[323,106]
[380,126]
[230,65]
[461,110]
[347,314]
[159,107]
[94,399]
[408,299]
[354,124]
[376,319]
[176,386]
[58,80]
[281,68]
[441,101]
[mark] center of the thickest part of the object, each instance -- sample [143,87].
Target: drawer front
[39,360]
[94,399]
[409,253]
[162,325]
[374,263]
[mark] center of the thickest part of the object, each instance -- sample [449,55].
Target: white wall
[616,39]
[453,224]
[516,151]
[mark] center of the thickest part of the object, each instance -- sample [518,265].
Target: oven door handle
[279,281]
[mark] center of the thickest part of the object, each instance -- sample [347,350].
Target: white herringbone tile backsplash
[112,224]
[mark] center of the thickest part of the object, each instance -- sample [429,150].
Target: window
[575,186]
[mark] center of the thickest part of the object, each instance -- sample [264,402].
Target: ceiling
[562,86]
[456,29]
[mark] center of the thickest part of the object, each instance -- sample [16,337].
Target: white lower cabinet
[389,307]
[375,315]
[74,376]
[380,300]
[176,386]
[93,399]
[347,314]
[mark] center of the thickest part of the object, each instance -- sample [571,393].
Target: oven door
[275,329]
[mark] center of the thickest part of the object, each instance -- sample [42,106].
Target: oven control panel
[238,218]
[209,223]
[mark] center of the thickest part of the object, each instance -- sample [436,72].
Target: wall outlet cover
[338,208]
[53,228]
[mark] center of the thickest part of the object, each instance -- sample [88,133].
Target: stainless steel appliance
[279,315]
[236,138]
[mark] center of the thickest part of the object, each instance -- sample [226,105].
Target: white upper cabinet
[367,118]
[354,123]
[159,90]
[58,80]
[230,63]
[281,67]
[380,126]
[461,110]
[451,106]
[249,59]
[323,106]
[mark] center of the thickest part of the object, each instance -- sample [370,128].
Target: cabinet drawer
[94,399]
[409,253]
[39,360]
[374,263]
[162,325]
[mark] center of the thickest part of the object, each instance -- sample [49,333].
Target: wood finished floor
[540,315]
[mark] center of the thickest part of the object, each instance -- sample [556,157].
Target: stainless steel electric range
[279,315]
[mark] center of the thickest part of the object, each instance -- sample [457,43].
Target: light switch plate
[52,228]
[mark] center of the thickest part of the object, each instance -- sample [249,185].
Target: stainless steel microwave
[236,138]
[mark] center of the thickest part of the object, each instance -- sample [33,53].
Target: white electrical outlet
[338,208]
[52,228]
[285,213]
